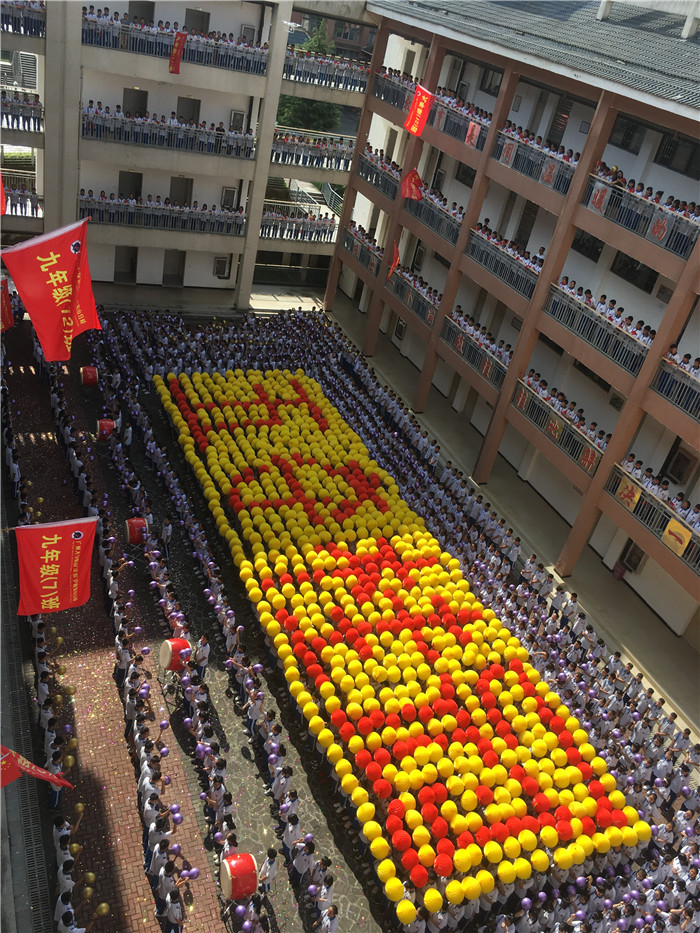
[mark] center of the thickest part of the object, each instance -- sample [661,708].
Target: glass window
[588,245]
[491,81]
[465,174]
[627,134]
[680,154]
[634,272]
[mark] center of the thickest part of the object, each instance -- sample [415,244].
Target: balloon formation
[417,694]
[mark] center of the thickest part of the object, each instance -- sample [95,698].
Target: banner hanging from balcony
[394,263]
[472,134]
[176,54]
[659,229]
[7,318]
[599,197]
[54,565]
[676,536]
[628,494]
[52,277]
[420,108]
[411,185]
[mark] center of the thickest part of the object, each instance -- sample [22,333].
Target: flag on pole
[176,54]
[52,276]
[7,318]
[420,108]
[411,185]
[394,262]
[54,565]
[14,765]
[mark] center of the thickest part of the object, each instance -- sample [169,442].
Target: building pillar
[598,135]
[675,316]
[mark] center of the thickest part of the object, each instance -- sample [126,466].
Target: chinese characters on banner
[394,263]
[7,319]
[472,134]
[676,536]
[659,229]
[507,152]
[628,494]
[420,108]
[14,765]
[52,277]
[548,172]
[411,185]
[599,197]
[176,54]
[54,565]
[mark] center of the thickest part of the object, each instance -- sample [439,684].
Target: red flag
[13,765]
[176,54]
[3,202]
[53,280]
[394,263]
[420,108]
[7,318]
[54,565]
[411,185]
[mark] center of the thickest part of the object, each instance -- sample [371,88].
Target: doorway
[197,20]
[134,101]
[174,267]
[125,261]
[130,184]
[181,190]
[188,109]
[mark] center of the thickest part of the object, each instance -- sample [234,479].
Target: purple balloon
[188,692]
[187,723]
[648,918]
[542,897]
[184,874]
[622,924]
[685,791]
[164,752]
[284,808]
[607,903]
[228,664]
[177,819]
[581,881]
[176,848]
[208,750]
[185,680]
[218,838]
[174,807]
[185,653]
[167,779]
[662,905]
[309,837]
[164,725]
[526,903]
[247,927]
[203,795]
[258,668]
[194,873]
[313,890]
[138,629]
[145,650]
[248,683]
[272,759]
[580,914]
[274,748]
[240,911]
[199,751]
[144,691]
[68,728]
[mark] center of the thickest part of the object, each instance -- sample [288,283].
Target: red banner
[13,765]
[472,133]
[394,264]
[176,54]
[420,108]
[7,319]
[411,185]
[54,565]
[52,277]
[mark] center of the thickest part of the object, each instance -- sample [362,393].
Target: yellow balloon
[102,910]
[394,889]
[386,870]
[454,892]
[471,888]
[405,912]
[432,900]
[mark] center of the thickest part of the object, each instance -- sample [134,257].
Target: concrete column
[557,253]
[281,14]
[674,318]
[62,113]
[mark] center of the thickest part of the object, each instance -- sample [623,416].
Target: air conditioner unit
[222,267]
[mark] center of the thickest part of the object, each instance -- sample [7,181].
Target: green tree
[319,41]
[317,115]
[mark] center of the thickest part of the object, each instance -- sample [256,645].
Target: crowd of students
[160,213]
[303,226]
[614,175]
[23,202]
[481,336]
[24,16]
[359,232]
[534,263]
[21,113]
[686,512]
[546,146]
[331,152]
[567,409]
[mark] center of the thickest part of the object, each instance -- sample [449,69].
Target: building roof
[637,48]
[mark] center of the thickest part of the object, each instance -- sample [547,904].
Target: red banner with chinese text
[420,108]
[411,185]
[14,765]
[394,263]
[54,565]
[176,54]
[7,319]
[52,277]
[473,131]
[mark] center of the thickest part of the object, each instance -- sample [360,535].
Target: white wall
[199,271]
[149,267]
[101,259]
[205,189]
[224,16]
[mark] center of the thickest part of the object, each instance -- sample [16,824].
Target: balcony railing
[485,363]
[561,432]
[25,121]
[197,50]
[670,231]
[392,92]
[681,388]
[412,299]
[585,322]
[382,181]
[316,150]
[458,125]
[224,223]
[291,222]
[16,18]
[340,74]
[501,264]
[159,136]
[444,224]
[532,162]
[362,253]
[656,515]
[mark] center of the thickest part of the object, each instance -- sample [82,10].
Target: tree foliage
[319,41]
[317,115]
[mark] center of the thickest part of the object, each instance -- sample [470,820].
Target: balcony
[18,187]
[162,136]
[393,93]
[586,323]
[296,224]
[113,214]
[457,125]
[444,224]
[19,122]
[657,516]
[504,266]
[680,388]
[669,231]
[379,179]
[361,252]
[485,363]
[331,72]
[18,19]
[304,149]
[412,299]
[532,162]
[549,422]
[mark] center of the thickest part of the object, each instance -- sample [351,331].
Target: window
[632,557]
[681,465]
[635,272]
[548,342]
[400,329]
[248,33]
[465,174]
[237,120]
[222,267]
[626,134]
[229,198]
[348,31]
[680,154]
[589,246]
[441,259]
[491,81]
[418,258]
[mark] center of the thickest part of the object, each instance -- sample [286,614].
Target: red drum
[135,528]
[88,375]
[105,429]
[238,876]
[169,654]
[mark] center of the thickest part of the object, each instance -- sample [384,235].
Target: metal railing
[382,181]
[316,150]
[444,224]
[596,330]
[331,71]
[292,222]
[681,388]
[656,515]
[362,253]
[501,264]
[483,362]
[198,50]
[456,124]
[579,448]
[32,121]
[393,93]
[670,231]
[332,198]
[528,160]
[16,18]
[160,136]
[412,299]
[226,223]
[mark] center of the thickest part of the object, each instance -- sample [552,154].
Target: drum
[238,876]
[135,530]
[169,654]
[88,375]
[105,429]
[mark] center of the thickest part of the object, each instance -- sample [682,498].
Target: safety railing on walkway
[444,224]
[681,388]
[112,129]
[392,92]
[162,217]
[467,129]
[483,362]
[534,163]
[412,299]
[379,179]
[501,264]
[362,253]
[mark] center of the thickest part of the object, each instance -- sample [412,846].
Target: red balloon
[482,836]
[443,865]
[429,812]
[485,795]
[564,830]
[445,846]
[363,758]
[596,789]
[409,859]
[426,795]
[439,790]
[396,808]
[419,875]
[401,840]
[540,803]
[373,771]
[499,831]
[604,818]
[439,828]
[382,789]
[393,824]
